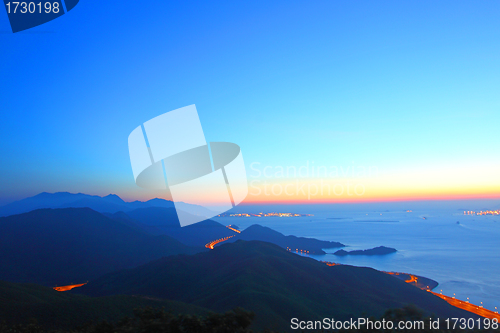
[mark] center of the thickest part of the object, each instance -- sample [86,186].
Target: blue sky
[407,86]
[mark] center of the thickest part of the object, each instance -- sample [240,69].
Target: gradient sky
[409,87]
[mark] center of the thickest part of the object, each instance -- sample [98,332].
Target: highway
[235,230]
[71,286]
[468,306]
[220,240]
[412,279]
[464,305]
[217,241]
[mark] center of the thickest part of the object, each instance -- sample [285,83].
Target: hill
[21,302]
[73,245]
[376,251]
[159,217]
[265,234]
[163,221]
[277,285]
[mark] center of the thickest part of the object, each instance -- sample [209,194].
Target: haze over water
[462,257]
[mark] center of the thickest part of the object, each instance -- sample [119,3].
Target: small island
[380,250]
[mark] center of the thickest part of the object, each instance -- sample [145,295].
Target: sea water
[460,252]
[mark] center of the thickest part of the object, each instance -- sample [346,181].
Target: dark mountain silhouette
[151,220]
[265,234]
[272,282]
[163,221]
[122,217]
[73,245]
[108,204]
[156,217]
[202,233]
[21,302]
[159,217]
[380,250]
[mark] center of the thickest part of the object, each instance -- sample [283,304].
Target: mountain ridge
[110,203]
[290,242]
[73,245]
[276,284]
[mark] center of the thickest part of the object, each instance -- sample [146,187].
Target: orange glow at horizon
[370,193]
[375,199]
[421,182]
[447,182]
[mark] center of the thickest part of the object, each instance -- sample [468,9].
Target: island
[380,250]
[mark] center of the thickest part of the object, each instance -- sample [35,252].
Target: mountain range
[68,246]
[107,204]
[73,245]
[140,256]
[272,282]
[159,217]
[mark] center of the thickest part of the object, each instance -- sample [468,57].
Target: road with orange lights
[297,250]
[329,263]
[217,241]
[220,240]
[235,230]
[66,288]
[412,279]
[479,310]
